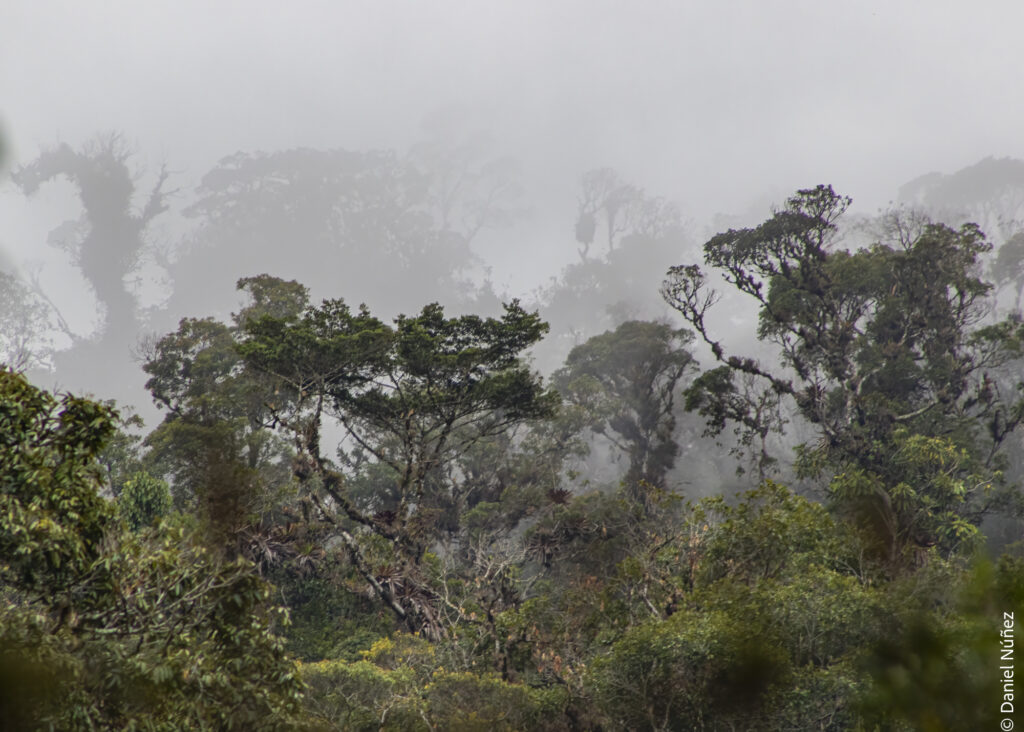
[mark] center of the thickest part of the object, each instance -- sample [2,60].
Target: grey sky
[715,104]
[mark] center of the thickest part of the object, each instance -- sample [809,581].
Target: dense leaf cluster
[103,628]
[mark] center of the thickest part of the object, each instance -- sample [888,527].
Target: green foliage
[692,671]
[445,565]
[118,630]
[52,519]
[933,504]
[716,616]
[466,701]
[122,456]
[143,501]
[881,351]
[588,533]
[160,634]
[771,534]
[413,399]
[628,379]
[329,618]
[214,445]
[399,686]
[938,667]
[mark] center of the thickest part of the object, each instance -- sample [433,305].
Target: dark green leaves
[118,631]
[628,379]
[328,349]
[869,344]
[52,520]
[413,399]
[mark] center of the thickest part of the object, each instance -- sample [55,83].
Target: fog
[723,109]
[529,356]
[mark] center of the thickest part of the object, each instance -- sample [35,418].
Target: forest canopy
[350,519]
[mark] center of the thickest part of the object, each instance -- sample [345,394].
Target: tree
[109,241]
[398,686]
[410,399]
[1008,267]
[621,209]
[390,229]
[214,445]
[24,324]
[102,628]
[629,378]
[699,670]
[930,668]
[883,350]
[54,520]
[606,194]
[747,614]
[989,192]
[469,188]
[600,293]
[143,501]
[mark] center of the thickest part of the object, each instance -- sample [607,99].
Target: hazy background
[723,107]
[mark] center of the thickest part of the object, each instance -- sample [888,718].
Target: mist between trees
[770,482]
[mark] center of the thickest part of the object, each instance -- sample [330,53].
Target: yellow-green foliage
[692,671]
[398,686]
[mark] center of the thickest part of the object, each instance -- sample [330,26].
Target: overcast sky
[714,104]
